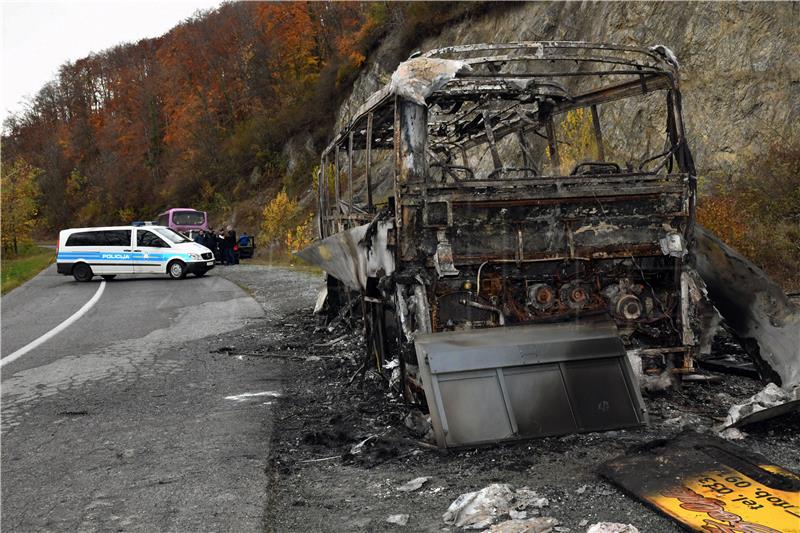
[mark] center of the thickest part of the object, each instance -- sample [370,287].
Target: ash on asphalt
[341,450]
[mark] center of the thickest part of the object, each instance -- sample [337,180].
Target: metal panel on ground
[530,381]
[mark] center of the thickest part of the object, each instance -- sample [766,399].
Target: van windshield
[171,236]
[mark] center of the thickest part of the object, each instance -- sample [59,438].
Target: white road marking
[244,396]
[56,330]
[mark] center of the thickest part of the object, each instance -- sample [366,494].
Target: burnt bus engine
[638,294]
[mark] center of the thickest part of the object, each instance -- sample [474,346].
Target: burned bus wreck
[514,221]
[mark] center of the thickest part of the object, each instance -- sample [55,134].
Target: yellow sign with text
[727,501]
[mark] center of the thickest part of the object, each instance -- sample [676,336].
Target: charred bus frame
[457,245]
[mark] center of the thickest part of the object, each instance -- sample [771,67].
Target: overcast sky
[39,36]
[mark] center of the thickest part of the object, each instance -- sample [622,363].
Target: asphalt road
[130,419]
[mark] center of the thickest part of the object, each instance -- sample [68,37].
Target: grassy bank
[17,269]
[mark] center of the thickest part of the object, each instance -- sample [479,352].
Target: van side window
[86,238]
[148,238]
[100,238]
[119,237]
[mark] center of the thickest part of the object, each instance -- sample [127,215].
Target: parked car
[247,246]
[109,251]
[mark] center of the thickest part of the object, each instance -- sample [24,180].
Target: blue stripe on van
[118,256]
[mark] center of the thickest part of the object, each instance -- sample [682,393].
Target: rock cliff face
[740,63]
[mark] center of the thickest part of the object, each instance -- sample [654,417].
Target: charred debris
[515,225]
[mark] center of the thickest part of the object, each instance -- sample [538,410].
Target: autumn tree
[576,140]
[277,218]
[20,194]
[186,118]
[300,236]
[758,213]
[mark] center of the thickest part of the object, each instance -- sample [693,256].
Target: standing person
[218,243]
[223,247]
[230,243]
[211,243]
[200,238]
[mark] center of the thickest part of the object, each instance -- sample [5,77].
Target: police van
[109,251]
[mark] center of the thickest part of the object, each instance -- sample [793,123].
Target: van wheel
[176,270]
[109,277]
[82,272]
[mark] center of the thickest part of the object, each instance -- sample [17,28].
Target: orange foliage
[212,101]
[758,212]
[723,217]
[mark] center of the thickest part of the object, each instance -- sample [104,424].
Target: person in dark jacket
[200,238]
[218,246]
[230,242]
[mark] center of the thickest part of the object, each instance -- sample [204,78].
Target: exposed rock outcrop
[740,63]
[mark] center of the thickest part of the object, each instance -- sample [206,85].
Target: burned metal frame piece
[755,308]
[538,380]
[490,223]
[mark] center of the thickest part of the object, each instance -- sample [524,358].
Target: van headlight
[195,257]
